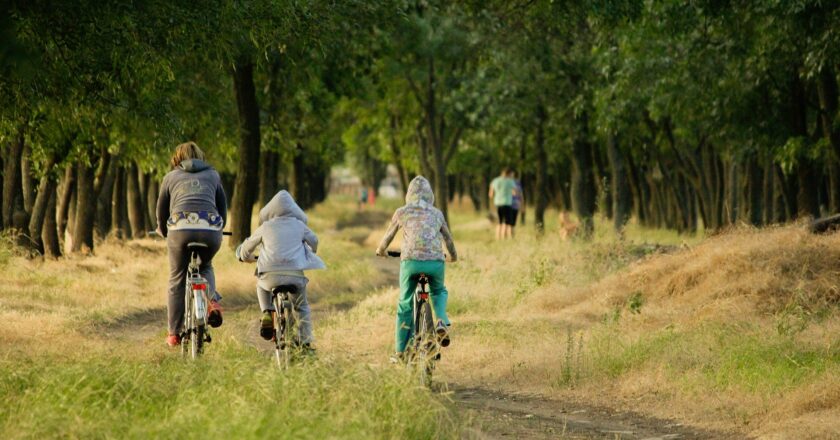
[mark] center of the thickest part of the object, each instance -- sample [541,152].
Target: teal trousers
[409,269]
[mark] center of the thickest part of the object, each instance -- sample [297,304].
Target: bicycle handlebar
[156,234]
[398,254]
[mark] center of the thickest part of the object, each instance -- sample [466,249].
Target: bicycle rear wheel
[425,344]
[282,344]
[197,345]
[186,334]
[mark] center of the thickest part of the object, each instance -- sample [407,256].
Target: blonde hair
[187,150]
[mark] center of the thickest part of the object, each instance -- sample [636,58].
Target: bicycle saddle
[196,245]
[285,288]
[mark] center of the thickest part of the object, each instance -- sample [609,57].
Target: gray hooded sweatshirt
[287,243]
[192,187]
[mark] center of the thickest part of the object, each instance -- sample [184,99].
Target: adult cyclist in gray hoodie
[191,207]
[286,248]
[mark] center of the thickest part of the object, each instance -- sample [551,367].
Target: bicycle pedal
[207,338]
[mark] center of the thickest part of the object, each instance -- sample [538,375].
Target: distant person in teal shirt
[502,191]
[518,202]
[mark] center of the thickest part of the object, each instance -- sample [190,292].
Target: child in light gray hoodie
[286,248]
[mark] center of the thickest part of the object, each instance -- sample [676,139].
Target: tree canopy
[678,114]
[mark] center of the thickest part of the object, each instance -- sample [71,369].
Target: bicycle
[423,349]
[284,317]
[195,333]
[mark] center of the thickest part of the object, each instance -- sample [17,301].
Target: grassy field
[737,332]
[82,356]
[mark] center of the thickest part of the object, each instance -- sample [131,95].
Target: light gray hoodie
[287,244]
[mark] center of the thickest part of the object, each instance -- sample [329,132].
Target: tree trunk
[27,179]
[12,193]
[142,187]
[807,198]
[396,151]
[635,187]
[790,188]
[828,95]
[68,188]
[247,176]
[300,179]
[101,175]
[769,193]
[85,210]
[583,191]
[542,170]
[622,201]
[134,200]
[602,185]
[46,189]
[151,202]
[441,182]
[755,178]
[475,190]
[118,204]
[103,199]
[733,186]
[49,230]
[268,176]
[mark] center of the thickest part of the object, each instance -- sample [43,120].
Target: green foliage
[635,303]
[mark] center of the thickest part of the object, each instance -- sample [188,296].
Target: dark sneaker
[442,334]
[267,326]
[307,350]
[214,314]
[173,340]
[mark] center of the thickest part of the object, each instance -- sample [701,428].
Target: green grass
[721,357]
[234,392]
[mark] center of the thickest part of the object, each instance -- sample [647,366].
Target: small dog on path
[568,228]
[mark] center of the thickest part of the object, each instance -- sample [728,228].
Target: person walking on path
[502,189]
[191,207]
[518,203]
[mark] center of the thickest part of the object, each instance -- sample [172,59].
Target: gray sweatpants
[179,261]
[268,281]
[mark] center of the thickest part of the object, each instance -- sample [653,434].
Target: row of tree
[682,114]
[95,96]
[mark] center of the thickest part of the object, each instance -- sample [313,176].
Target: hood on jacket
[419,190]
[193,165]
[282,205]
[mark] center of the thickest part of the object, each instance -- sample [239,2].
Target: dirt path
[498,415]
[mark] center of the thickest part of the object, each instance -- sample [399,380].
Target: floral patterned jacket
[423,226]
